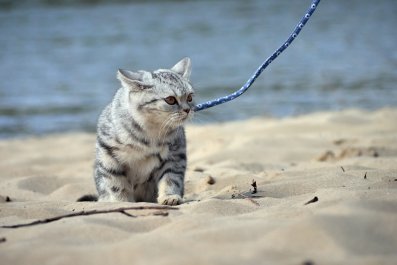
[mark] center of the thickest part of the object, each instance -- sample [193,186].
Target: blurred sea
[59,58]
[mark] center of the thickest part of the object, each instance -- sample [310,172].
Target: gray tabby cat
[141,146]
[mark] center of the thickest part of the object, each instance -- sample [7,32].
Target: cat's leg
[171,181]
[111,177]
[112,184]
[170,188]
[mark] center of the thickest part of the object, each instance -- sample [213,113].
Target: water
[59,60]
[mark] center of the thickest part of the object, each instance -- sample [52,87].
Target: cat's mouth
[187,115]
[184,116]
[177,118]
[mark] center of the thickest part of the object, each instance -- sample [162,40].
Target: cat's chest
[143,161]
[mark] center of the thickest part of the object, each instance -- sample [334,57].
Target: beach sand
[346,159]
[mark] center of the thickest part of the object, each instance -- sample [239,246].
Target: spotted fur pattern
[141,146]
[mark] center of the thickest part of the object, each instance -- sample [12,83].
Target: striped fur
[141,146]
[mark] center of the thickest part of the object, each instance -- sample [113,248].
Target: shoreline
[345,159]
[197,121]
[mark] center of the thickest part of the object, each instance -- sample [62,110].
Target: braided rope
[250,81]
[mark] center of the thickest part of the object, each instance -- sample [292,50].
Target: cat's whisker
[163,128]
[166,129]
[166,125]
[190,117]
[202,118]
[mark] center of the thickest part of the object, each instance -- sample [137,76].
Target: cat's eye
[170,100]
[189,98]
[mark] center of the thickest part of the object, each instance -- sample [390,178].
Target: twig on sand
[121,210]
[253,184]
[236,195]
[342,169]
[250,194]
[315,199]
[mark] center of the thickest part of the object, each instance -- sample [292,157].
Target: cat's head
[163,96]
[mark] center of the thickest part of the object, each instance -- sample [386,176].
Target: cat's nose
[186,110]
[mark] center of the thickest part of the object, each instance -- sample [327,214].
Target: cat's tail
[88,198]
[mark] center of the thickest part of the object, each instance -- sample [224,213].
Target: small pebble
[210,180]
[199,169]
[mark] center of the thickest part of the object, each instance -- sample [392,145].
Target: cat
[141,145]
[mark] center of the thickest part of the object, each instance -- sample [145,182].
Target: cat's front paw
[173,199]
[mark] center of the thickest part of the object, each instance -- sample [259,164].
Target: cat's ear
[132,80]
[183,68]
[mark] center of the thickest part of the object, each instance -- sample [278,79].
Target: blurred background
[59,58]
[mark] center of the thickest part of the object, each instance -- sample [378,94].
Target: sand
[347,159]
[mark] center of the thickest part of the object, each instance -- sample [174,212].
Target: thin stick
[249,198]
[92,212]
[253,184]
[315,199]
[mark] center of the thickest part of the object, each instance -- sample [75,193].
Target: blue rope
[250,81]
